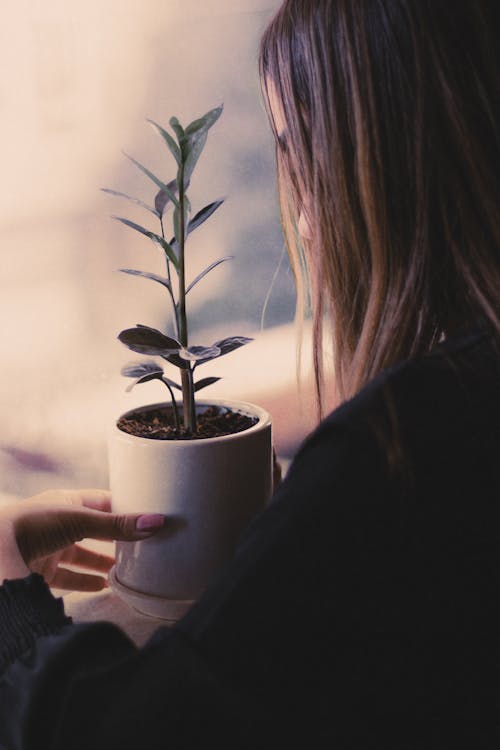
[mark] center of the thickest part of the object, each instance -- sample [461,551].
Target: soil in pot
[159,423]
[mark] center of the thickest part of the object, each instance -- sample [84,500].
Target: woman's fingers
[89,498]
[52,528]
[40,529]
[96,519]
[87,558]
[74,581]
[93,524]
[97,499]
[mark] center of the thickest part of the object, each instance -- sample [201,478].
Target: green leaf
[146,340]
[195,137]
[204,383]
[152,236]
[177,128]
[176,240]
[193,150]
[172,145]
[145,274]
[207,270]
[177,229]
[134,200]
[154,179]
[205,122]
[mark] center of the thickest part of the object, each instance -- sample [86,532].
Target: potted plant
[206,465]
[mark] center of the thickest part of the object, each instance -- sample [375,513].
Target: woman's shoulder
[461,374]
[443,404]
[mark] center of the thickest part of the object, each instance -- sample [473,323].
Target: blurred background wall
[77,83]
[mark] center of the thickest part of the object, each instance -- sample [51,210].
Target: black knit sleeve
[27,610]
[42,653]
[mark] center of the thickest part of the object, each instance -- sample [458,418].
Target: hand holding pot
[39,534]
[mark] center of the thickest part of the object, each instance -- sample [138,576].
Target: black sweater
[360,611]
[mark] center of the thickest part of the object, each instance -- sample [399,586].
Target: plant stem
[174,405]
[191,396]
[166,256]
[188,401]
[169,277]
[186,375]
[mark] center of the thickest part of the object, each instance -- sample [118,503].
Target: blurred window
[77,84]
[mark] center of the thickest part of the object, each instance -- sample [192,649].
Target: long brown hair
[393,147]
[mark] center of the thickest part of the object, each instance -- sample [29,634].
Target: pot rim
[251,409]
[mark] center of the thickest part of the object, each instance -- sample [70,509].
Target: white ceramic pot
[209,489]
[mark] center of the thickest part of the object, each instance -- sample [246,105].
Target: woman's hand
[39,535]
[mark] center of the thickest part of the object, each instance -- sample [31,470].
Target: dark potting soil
[159,423]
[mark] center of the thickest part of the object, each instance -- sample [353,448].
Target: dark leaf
[154,178]
[177,361]
[139,369]
[142,372]
[232,343]
[204,383]
[137,227]
[162,199]
[152,236]
[145,274]
[204,214]
[173,358]
[200,353]
[134,200]
[144,379]
[198,219]
[209,268]
[146,340]
[172,145]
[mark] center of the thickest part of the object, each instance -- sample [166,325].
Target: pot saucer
[169,610]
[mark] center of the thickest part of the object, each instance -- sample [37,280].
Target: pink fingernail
[149,522]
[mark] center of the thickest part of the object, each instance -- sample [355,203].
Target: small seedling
[186,146]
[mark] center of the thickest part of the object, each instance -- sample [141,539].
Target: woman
[361,607]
